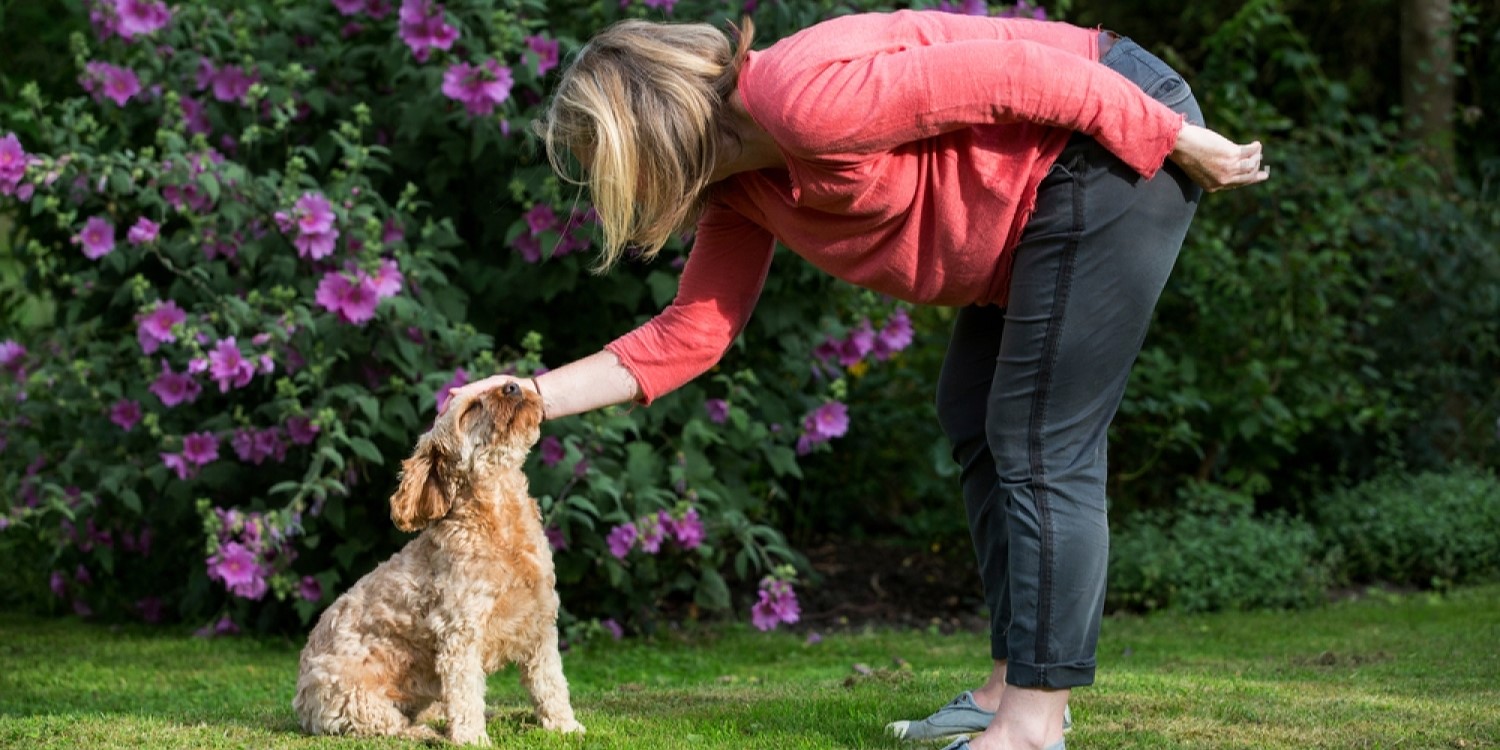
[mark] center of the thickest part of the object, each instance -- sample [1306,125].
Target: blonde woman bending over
[1036,175]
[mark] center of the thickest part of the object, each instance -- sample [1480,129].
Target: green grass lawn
[1416,671]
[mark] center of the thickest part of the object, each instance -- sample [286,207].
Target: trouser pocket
[1154,76]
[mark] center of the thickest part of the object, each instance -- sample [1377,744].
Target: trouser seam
[1052,346]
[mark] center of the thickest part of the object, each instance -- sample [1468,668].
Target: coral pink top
[914,144]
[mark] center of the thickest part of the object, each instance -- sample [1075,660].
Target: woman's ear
[421,497]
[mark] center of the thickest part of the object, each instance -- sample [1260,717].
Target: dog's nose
[511,389]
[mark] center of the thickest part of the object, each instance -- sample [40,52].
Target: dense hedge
[245,248]
[244,252]
[1432,530]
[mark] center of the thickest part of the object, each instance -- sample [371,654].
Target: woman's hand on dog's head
[477,387]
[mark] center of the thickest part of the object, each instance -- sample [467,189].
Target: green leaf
[131,500]
[783,460]
[333,456]
[663,287]
[333,513]
[643,468]
[713,592]
[369,406]
[366,450]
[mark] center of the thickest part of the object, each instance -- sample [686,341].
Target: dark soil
[863,583]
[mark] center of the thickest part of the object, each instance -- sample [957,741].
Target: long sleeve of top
[914,144]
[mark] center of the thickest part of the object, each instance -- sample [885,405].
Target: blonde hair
[641,108]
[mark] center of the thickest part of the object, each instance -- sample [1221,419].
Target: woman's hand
[1217,163]
[590,383]
[493,381]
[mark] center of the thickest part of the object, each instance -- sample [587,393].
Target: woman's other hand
[1217,163]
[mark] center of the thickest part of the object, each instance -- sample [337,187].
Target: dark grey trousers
[1027,392]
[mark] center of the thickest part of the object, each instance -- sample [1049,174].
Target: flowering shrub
[251,251]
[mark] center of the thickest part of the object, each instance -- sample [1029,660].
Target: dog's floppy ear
[421,497]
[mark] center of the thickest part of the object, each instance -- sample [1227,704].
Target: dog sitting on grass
[415,638]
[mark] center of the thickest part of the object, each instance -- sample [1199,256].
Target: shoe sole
[898,730]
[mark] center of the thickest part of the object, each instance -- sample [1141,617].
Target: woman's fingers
[480,386]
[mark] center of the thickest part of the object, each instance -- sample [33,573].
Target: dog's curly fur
[415,638]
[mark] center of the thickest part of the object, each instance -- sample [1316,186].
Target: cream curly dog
[415,638]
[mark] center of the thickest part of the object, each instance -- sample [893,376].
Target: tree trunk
[1427,85]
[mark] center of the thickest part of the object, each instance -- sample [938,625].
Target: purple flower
[827,351]
[139,17]
[313,213]
[540,218]
[555,538]
[777,604]
[270,444]
[224,626]
[551,450]
[613,628]
[155,327]
[12,356]
[718,410]
[13,162]
[388,279]
[423,28]
[110,82]
[621,538]
[861,341]
[1023,9]
[125,413]
[238,569]
[480,88]
[200,448]
[301,429]
[392,232]
[228,366]
[353,301]
[546,51]
[310,589]
[145,230]
[830,420]
[243,444]
[59,584]
[179,465]
[97,238]
[459,379]
[194,116]
[529,247]
[652,533]
[895,336]
[175,388]
[688,530]
[257,446]
[229,83]
[349,7]
[966,7]
[316,246]
[313,219]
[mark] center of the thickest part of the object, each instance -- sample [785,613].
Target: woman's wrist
[535,386]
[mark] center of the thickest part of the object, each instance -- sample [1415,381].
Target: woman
[1037,175]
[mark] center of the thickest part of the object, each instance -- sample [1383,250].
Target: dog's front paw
[569,725]
[464,735]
